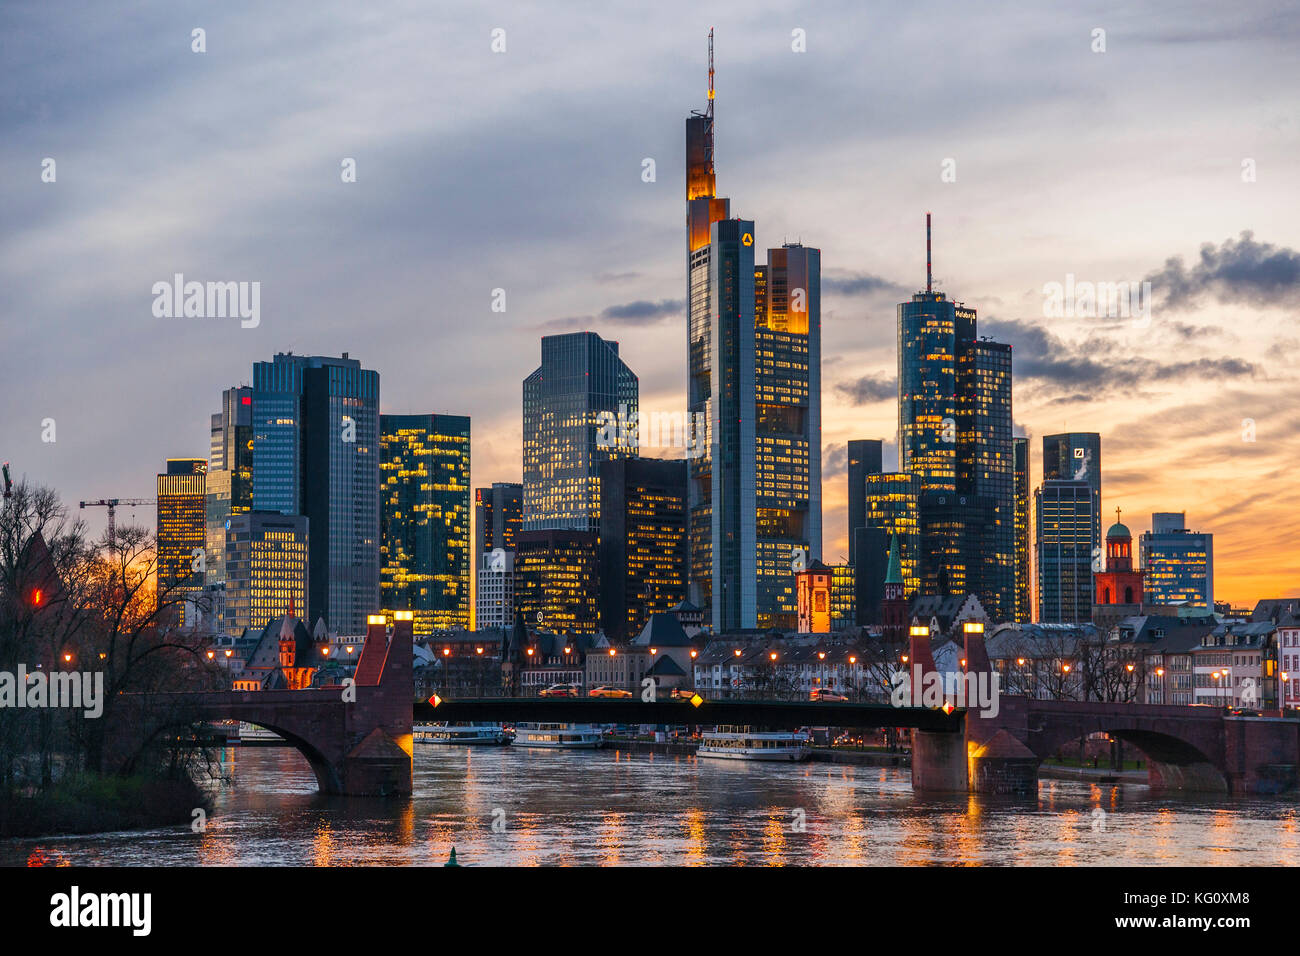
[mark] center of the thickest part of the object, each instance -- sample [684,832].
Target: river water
[520,806]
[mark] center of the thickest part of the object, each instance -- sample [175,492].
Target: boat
[253,734]
[559,736]
[738,742]
[493,735]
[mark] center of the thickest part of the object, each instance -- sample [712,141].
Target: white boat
[729,742]
[559,736]
[253,734]
[467,734]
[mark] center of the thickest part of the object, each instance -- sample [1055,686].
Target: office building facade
[1179,564]
[316,453]
[230,474]
[498,518]
[1024,608]
[424,468]
[267,568]
[182,524]
[891,508]
[642,542]
[579,409]
[1063,519]
[866,457]
[557,580]
[495,591]
[1076,456]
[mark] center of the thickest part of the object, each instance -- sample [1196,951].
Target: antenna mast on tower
[928,278]
[708,136]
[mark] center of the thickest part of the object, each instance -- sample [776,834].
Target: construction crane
[111,504]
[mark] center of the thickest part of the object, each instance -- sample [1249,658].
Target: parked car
[560,690]
[608,692]
[821,693]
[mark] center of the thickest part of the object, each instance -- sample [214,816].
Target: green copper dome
[1118,530]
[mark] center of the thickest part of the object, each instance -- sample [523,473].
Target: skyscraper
[1063,517]
[891,513]
[424,522]
[1023,588]
[230,474]
[182,529]
[954,433]
[1076,456]
[580,408]
[754,373]
[986,465]
[266,568]
[498,518]
[642,542]
[556,575]
[1179,564]
[316,453]
[866,457]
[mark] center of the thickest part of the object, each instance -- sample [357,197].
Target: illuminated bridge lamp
[228,653]
[904,658]
[404,615]
[349,649]
[376,619]
[325,651]
[654,651]
[973,627]
[479,650]
[530,652]
[446,652]
[919,630]
[694,653]
[210,655]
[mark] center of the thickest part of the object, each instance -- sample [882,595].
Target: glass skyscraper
[754,374]
[580,408]
[230,473]
[424,520]
[1064,512]
[181,523]
[1076,456]
[1023,589]
[555,574]
[1179,564]
[266,569]
[316,453]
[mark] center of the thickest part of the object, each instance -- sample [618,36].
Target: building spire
[708,136]
[928,278]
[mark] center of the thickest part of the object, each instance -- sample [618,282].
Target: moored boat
[729,742]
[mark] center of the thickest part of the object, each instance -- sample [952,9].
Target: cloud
[643,312]
[868,389]
[1044,359]
[859,283]
[1243,271]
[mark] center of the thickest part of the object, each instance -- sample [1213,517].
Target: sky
[1169,156]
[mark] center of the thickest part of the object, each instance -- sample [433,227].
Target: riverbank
[93,804]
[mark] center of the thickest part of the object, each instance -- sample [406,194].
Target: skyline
[1227,310]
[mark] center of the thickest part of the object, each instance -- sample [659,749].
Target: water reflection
[611,807]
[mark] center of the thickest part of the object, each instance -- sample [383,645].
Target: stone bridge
[357,739]
[1186,748]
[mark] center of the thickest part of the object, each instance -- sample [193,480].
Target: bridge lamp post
[1160,673]
[1214,675]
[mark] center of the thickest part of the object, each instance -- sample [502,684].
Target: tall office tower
[424,467]
[498,518]
[642,542]
[754,374]
[495,595]
[1076,456]
[316,453]
[580,408]
[556,575]
[954,432]
[1023,588]
[891,507]
[182,529]
[1063,519]
[230,474]
[986,466]
[866,457]
[1179,564]
[266,568]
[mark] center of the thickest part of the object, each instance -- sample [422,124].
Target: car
[821,693]
[682,693]
[608,692]
[559,690]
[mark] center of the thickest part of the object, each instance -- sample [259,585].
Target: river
[520,806]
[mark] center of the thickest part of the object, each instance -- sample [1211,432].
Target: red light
[246,400]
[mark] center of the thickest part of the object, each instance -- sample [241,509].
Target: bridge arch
[327,776]
[1174,763]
